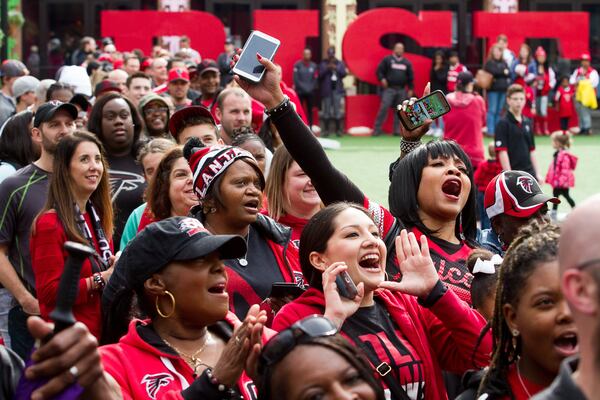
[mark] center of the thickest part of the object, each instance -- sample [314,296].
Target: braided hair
[535,244]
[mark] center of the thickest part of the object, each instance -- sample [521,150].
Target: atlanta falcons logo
[526,183]
[154,382]
[123,181]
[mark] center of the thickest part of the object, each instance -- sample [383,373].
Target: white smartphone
[248,66]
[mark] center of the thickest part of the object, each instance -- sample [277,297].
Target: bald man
[579,259]
[119,77]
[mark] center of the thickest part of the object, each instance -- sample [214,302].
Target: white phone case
[245,74]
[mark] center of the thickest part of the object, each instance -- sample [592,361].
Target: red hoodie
[146,372]
[443,336]
[464,122]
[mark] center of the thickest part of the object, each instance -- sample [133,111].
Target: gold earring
[158,307]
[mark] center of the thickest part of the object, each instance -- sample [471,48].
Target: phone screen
[429,107]
[248,62]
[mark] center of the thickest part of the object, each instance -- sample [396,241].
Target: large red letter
[363,51]
[135,29]
[571,29]
[292,28]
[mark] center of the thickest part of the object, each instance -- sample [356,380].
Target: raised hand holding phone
[339,308]
[419,275]
[268,90]
[417,134]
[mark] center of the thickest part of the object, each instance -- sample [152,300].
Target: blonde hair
[281,163]
[563,138]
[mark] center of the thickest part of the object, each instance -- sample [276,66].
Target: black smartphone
[432,106]
[285,289]
[248,66]
[345,285]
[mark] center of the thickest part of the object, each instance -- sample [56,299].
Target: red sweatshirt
[48,261]
[443,336]
[146,372]
[464,122]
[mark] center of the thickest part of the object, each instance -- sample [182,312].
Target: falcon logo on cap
[525,183]
[191,226]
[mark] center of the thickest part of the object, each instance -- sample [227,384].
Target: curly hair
[536,243]
[159,201]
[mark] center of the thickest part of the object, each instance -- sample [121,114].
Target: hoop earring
[158,307]
[461,233]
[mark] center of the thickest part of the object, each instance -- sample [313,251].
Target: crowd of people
[231,259]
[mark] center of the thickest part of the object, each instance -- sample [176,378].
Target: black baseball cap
[177,120]
[173,239]
[207,65]
[515,193]
[46,111]
[465,77]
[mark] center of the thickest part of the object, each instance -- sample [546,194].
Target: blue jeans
[20,338]
[6,302]
[485,221]
[584,115]
[495,105]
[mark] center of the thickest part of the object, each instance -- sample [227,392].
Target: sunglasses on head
[285,341]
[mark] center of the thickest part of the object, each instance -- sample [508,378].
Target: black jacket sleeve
[382,69]
[410,76]
[305,149]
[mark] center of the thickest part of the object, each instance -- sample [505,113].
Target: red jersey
[430,340]
[521,387]
[565,96]
[453,76]
[529,97]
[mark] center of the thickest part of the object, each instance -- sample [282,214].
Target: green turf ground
[365,160]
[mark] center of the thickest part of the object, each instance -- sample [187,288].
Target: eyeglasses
[588,263]
[152,110]
[285,341]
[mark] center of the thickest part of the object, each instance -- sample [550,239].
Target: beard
[48,145]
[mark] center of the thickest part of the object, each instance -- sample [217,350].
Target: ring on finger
[74,371]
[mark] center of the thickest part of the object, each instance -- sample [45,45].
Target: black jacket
[501,74]
[495,389]
[397,71]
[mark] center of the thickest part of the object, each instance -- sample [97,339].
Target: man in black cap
[209,79]
[10,71]
[22,197]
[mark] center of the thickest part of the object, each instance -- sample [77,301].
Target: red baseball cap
[177,120]
[514,193]
[586,57]
[179,74]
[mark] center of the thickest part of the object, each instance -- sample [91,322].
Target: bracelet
[99,281]
[436,293]
[215,382]
[406,146]
[284,105]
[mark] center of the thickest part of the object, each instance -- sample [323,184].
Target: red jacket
[453,76]
[485,172]
[145,372]
[443,336]
[560,172]
[48,261]
[464,122]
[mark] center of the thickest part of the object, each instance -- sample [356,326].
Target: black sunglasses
[285,341]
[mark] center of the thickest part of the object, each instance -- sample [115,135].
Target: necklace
[243,260]
[193,360]
[521,380]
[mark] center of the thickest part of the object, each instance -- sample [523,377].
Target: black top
[22,197]
[501,73]
[397,71]
[563,387]
[128,185]
[260,272]
[516,138]
[439,78]
[372,329]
